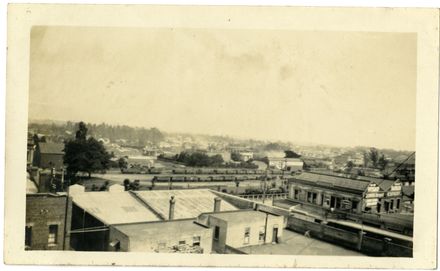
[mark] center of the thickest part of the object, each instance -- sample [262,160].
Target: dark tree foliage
[377,159]
[126,184]
[134,136]
[349,167]
[199,159]
[122,163]
[382,162]
[85,155]
[81,134]
[373,156]
[235,156]
[291,154]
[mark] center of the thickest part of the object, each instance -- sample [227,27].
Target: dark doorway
[386,206]
[332,202]
[275,235]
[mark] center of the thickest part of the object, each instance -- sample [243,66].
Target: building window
[397,203]
[312,197]
[296,194]
[354,205]
[196,241]
[391,204]
[216,232]
[261,234]
[28,236]
[247,235]
[53,234]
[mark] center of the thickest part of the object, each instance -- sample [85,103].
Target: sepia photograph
[230,138]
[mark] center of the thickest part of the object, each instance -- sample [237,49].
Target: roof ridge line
[156,213]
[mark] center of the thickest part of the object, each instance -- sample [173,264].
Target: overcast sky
[339,88]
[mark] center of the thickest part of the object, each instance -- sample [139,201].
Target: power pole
[264,184]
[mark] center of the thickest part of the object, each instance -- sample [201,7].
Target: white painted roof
[114,207]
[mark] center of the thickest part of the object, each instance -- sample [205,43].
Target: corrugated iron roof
[189,203]
[146,230]
[114,207]
[333,181]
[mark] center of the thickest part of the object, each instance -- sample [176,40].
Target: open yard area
[297,244]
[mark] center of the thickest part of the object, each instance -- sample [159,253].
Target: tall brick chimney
[171,212]
[217,203]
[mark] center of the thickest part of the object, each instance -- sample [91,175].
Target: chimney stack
[171,212]
[217,202]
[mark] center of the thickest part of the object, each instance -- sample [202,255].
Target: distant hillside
[132,136]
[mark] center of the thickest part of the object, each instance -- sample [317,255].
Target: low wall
[350,239]
[236,201]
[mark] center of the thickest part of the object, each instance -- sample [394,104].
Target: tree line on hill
[134,136]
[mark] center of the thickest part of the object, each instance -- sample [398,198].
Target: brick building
[47,221]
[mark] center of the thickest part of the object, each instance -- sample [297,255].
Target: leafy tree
[85,154]
[199,159]
[349,166]
[235,156]
[81,134]
[291,154]
[122,163]
[382,162]
[135,185]
[373,156]
[126,184]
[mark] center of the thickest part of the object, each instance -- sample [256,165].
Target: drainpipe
[265,228]
[171,210]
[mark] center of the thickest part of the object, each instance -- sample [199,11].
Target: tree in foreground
[84,154]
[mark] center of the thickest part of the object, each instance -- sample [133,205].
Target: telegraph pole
[264,185]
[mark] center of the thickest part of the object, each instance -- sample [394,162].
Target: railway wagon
[154,171]
[178,171]
[219,171]
[202,171]
[229,178]
[203,178]
[178,178]
[162,178]
[239,178]
[218,178]
[191,179]
[190,171]
[134,170]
